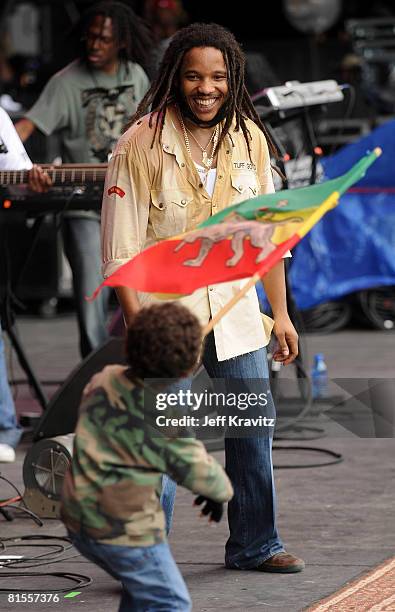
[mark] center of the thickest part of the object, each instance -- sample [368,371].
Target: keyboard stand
[25,364]
[7,317]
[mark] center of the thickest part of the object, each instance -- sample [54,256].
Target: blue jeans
[149,575]
[252,511]
[10,431]
[81,238]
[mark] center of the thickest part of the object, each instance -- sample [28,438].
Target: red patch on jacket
[115,189]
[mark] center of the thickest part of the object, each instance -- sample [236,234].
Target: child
[110,501]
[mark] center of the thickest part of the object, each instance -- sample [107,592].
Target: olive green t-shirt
[89,108]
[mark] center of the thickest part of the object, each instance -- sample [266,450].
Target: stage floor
[339,518]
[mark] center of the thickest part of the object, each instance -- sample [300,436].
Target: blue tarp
[352,247]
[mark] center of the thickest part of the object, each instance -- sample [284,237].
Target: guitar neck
[66,174]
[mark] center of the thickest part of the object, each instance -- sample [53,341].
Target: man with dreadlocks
[88,104]
[201,148]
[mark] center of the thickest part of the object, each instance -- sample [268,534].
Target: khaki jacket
[155,193]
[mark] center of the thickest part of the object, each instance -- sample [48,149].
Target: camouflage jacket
[111,491]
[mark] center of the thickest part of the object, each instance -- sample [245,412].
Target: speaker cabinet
[60,418]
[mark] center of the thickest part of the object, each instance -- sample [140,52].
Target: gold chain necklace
[207,161]
[203,149]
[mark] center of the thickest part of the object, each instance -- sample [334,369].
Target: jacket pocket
[244,186]
[169,211]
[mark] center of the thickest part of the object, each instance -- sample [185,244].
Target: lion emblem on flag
[260,236]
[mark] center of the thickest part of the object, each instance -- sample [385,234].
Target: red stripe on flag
[275,257]
[140,272]
[371,190]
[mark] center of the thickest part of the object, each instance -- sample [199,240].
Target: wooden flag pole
[253,280]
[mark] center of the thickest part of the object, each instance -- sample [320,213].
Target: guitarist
[88,104]
[13,157]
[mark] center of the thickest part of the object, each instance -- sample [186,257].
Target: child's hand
[211,508]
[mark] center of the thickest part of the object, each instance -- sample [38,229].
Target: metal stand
[7,316]
[279,118]
[8,326]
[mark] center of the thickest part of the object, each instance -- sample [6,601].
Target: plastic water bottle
[319,377]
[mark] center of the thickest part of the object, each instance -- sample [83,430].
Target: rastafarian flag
[238,242]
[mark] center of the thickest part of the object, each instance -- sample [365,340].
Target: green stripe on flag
[296,199]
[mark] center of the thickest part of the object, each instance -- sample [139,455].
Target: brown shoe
[282,563]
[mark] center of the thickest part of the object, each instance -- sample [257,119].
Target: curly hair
[163,341]
[164,88]
[131,33]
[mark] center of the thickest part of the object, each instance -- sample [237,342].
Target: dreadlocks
[163,90]
[130,31]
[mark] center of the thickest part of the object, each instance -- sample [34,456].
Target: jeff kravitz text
[225,406]
[217,421]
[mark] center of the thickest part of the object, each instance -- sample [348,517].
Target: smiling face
[102,50]
[203,81]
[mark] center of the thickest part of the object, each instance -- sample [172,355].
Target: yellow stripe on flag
[329,203]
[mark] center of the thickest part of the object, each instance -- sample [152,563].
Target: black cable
[17,541]
[347,114]
[312,141]
[6,514]
[80,581]
[289,424]
[21,541]
[24,507]
[302,151]
[66,205]
[338,458]
[27,511]
[39,557]
[45,562]
[298,363]
[42,536]
[14,487]
[309,135]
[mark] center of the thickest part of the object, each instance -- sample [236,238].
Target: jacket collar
[173,144]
